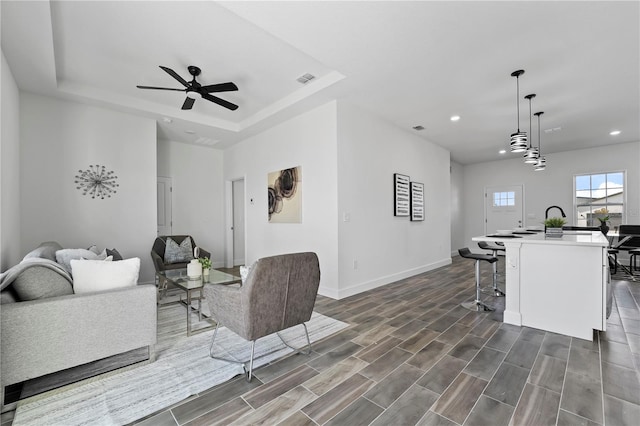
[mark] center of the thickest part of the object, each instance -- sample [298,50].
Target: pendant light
[531,156]
[518,139]
[541,164]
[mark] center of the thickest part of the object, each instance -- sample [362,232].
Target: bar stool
[494,252]
[477,305]
[633,259]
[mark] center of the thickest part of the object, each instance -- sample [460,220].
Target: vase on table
[604,228]
[205,274]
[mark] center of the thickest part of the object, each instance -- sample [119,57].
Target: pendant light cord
[518,99]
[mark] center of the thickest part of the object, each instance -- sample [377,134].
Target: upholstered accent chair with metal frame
[158,256]
[278,293]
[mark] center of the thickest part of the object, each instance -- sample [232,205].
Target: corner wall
[9,170]
[198,194]
[375,247]
[457,207]
[309,141]
[58,139]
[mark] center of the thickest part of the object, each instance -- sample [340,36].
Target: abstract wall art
[285,195]
[97,181]
[417,201]
[401,195]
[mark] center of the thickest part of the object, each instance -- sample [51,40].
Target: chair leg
[477,305]
[308,351]
[249,372]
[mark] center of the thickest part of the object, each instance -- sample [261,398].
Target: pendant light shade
[518,139]
[541,162]
[531,155]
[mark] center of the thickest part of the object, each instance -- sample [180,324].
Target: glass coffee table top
[179,278]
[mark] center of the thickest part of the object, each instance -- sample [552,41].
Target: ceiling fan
[195,90]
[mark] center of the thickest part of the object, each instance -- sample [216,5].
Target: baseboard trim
[379,282]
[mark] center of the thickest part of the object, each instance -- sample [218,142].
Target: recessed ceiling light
[502,151]
[418,127]
[614,132]
[455,118]
[167,119]
[191,132]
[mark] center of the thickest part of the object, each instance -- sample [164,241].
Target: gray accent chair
[157,256]
[279,293]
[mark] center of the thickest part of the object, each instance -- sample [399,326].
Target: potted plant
[206,267]
[553,226]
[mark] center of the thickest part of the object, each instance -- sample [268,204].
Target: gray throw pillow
[178,253]
[46,250]
[114,254]
[64,257]
[39,282]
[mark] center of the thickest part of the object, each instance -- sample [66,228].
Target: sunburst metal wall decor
[97,182]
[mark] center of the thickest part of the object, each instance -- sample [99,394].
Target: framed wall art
[417,201]
[401,195]
[285,195]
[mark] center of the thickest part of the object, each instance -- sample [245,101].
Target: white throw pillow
[98,275]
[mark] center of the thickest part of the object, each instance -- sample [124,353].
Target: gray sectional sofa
[57,329]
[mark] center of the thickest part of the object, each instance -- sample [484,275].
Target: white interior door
[164,206]
[503,207]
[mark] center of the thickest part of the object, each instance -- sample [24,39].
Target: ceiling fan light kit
[194,90]
[518,139]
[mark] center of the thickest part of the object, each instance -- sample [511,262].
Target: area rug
[180,370]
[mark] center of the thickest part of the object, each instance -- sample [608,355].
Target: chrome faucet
[546,213]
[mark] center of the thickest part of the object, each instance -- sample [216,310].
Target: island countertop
[572,238]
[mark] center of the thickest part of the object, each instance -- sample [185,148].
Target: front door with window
[503,208]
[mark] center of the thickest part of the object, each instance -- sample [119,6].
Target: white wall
[58,138]
[9,170]
[198,194]
[457,207]
[387,248]
[309,141]
[554,186]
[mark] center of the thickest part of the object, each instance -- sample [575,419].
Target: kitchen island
[557,284]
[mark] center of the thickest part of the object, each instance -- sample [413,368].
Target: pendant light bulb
[518,139]
[531,155]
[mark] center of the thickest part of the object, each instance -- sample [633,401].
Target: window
[599,196]
[503,199]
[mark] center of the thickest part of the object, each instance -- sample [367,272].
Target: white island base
[556,284]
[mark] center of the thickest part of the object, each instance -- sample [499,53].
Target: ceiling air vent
[304,79]
[418,127]
[206,141]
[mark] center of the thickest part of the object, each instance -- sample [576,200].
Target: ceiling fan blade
[188,103]
[221,87]
[160,88]
[175,75]
[220,102]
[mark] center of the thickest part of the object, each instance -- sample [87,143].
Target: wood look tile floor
[413,356]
